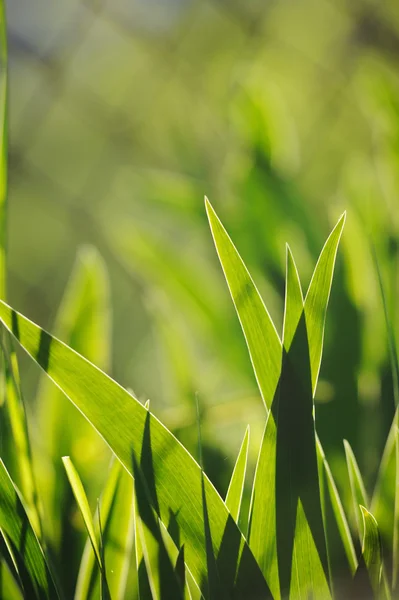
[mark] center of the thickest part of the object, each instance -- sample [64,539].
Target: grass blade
[286,513]
[372,549]
[259,331]
[173,474]
[117,512]
[317,297]
[27,552]
[359,494]
[236,486]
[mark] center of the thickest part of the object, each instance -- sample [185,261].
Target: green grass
[160,529]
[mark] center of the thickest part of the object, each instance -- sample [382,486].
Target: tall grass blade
[174,476]
[358,490]
[286,528]
[339,513]
[236,486]
[21,446]
[117,515]
[260,333]
[29,558]
[317,297]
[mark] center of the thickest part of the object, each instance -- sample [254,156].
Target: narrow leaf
[28,555]
[236,486]
[359,494]
[317,297]
[372,549]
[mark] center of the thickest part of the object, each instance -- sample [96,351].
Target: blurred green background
[123,114]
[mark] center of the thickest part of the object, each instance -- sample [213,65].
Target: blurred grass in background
[122,116]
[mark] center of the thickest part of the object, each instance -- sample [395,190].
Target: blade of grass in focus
[30,560]
[81,499]
[236,486]
[117,515]
[358,490]
[372,549]
[173,473]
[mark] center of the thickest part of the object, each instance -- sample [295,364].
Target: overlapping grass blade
[358,490]
[236,486]
[117,516]
[81,499]
[162,577]
[339,513]
[173,475]
[260,333]
[286,513]
[21,447]
[29,558]
[9,589]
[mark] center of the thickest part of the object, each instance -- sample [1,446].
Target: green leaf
[20,443]
[286,529]
[262,339]
[317,297]
[359,494]
[161,573]
[339,513]
[372,549]
[236,486]
[81,499]
[26,550]
[117,516]
[171,473]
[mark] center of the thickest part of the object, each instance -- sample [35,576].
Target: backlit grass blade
[82,502]
[359,494]
[117,515]
[372,549]
[3,148]
[339,513]
[161,572]
[286,528]
[383,501]
[21,447]
[9,589]
[317,297]
[29,557]
[260,333]
[236,486]
[172,474]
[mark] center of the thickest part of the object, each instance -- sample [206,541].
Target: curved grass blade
[21,447]
[372,549]
[27,553]
[173,475]
[339,512]
[359,494]
[236,486]
[117,514]
[262,339]
[81,499]
[317,297]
